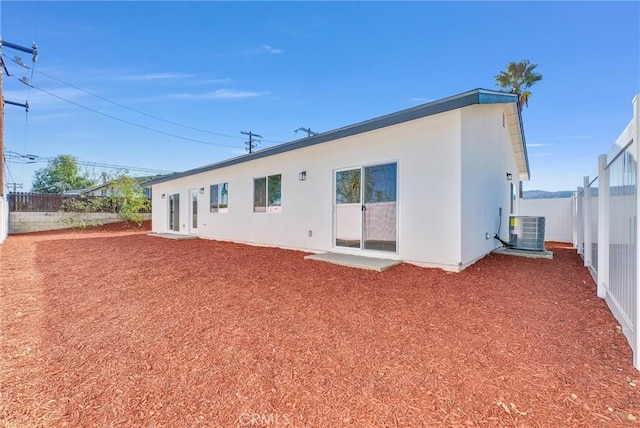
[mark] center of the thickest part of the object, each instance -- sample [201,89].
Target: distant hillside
[541,194]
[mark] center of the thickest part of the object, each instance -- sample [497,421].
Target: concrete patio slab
[525,253]
[358,262]
[176,236]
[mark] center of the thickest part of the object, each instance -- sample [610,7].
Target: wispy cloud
[538,145]
[155,76]
[420,100]
[271,49]
[210,81]
[101,75]
[221,94]
[262,50]
[575,137]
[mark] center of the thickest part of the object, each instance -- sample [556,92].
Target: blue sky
[271,68]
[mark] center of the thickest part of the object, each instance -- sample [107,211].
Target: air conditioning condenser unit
[526,233]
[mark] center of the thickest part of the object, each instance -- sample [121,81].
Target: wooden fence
[48,202]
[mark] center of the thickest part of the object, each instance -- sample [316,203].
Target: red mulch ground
[110,327]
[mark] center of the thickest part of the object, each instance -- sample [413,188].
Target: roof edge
[475,96]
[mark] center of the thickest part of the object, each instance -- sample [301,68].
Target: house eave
[476,96]
[518,142]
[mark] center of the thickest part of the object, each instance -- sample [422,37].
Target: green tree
[128,197]
[61,174]
[517,79]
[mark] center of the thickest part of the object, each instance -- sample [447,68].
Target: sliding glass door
[366,208]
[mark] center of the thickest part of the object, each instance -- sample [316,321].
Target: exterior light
[302,176]
[509,176]
[163,195]
[202,190]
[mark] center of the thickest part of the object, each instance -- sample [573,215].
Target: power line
[19,62]
[15,186]
[135,110]
[307,130]
[8,170]
[33,51]
[251,144]
[130,168]
[131,123]
[15,157]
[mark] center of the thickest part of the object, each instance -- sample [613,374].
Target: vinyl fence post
[586,222]
[635,341]
[604,203]
[574,219]
[580,221]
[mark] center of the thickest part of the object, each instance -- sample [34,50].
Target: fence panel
[607,217]
[37,202]
[48,202]
[579,221]
[623,246]
[558,214]
[592,206]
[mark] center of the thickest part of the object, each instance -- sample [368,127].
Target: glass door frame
[361,248]
[173,208]
[193,215]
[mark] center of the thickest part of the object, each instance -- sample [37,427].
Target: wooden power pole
[1,133]
[251,144]
[3,69]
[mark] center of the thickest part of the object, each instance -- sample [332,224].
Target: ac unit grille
[526,233]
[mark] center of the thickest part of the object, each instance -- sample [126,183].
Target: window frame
[264,196]
[222,194]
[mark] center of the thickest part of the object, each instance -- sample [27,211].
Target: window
[267,194]
[219,197]
[512,196]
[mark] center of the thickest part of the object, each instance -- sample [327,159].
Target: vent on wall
[526,233]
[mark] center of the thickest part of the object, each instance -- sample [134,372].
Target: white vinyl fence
[559,214]
[607,230]
[4,219]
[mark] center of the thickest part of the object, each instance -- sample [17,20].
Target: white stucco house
[429,185]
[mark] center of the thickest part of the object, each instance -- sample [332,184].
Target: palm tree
[518,78]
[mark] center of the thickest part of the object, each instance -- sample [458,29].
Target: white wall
[558,214]
[441,221]
[427,151]
[487,156]
[4,219]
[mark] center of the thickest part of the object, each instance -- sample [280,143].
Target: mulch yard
[110,327]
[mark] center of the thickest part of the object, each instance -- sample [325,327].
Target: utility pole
[307,130]
[1,130]
[33,51]
[15,186]
[250,144]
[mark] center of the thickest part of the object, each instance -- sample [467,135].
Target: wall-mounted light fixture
[163,196]
[302,176]
[202,190]
[509,176]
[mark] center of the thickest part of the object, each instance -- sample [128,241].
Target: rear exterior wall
[427,152]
